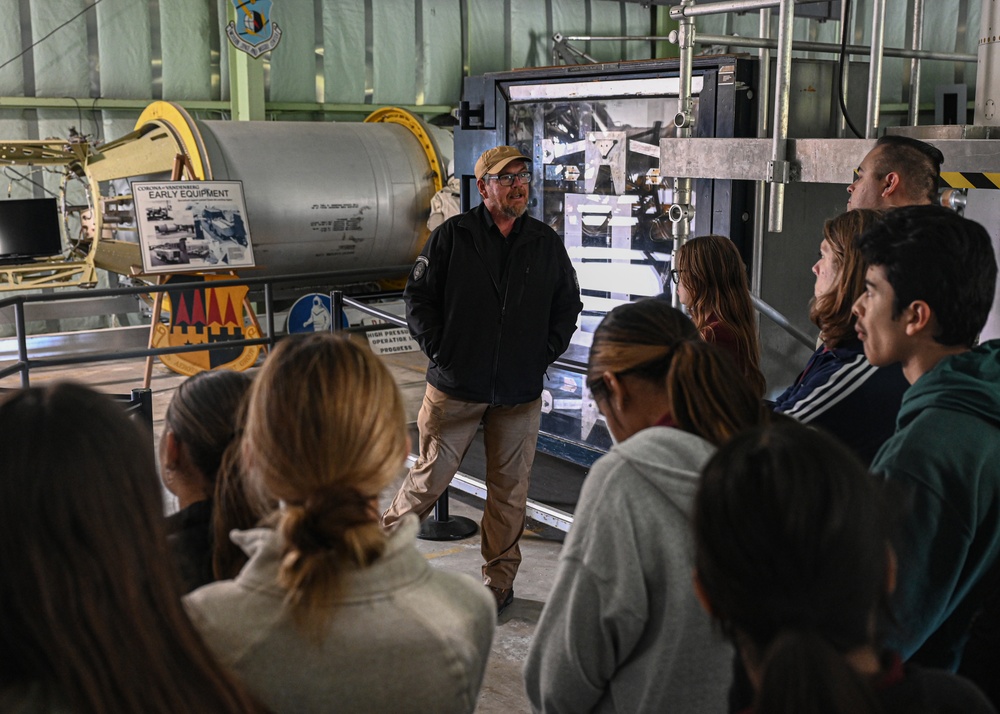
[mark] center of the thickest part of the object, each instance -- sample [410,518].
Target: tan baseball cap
[495,159]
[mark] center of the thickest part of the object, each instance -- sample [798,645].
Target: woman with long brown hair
[332,612]
[199,428]
[622,630]
[712,284]
[839,390]
[90,611]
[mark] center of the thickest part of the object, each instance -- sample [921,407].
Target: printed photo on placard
[192,226]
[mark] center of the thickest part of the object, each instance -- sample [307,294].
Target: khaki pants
[510,433]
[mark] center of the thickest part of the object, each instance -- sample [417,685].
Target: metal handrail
[463,482]
[562,363]
[24,363]
[781,321]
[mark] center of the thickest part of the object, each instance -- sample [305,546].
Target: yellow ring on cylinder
[397,115]
[176,119]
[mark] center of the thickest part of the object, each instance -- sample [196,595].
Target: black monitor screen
[29,228]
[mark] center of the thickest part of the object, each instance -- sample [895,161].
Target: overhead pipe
[875,68]
[831,48]
[778,168]
[718,8]
[797,45]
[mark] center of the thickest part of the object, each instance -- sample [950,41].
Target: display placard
[192,226]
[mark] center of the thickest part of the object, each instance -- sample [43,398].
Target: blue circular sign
[312,313]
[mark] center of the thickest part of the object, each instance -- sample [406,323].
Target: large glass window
[600,185]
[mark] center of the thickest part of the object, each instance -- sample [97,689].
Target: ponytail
[802,672]
[708,395]
[334,529]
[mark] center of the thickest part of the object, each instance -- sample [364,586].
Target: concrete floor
[503,689]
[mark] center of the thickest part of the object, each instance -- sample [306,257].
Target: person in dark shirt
[712,284]
[793,560]
[199,427]
[492,300]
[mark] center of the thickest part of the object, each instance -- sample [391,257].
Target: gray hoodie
[622,630]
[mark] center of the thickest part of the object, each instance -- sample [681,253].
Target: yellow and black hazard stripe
[970,179]
[963,179]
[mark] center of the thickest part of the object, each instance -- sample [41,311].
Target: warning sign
[390,342]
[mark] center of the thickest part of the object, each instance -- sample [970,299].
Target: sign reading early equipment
[189,226]
[392,341]
[253,31]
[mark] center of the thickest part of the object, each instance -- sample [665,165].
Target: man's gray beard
[511,212]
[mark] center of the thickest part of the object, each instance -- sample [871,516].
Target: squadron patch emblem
[253,31]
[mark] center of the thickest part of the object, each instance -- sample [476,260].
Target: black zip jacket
[492,316]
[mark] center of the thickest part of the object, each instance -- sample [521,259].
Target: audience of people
[831,589]
[712,284]
[90,613]
[793,560]
[331,611]
[839,390]
[621,630]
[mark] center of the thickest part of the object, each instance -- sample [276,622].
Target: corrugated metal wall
[360,51]
[357,52]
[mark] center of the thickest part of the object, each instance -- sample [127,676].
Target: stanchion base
[452,528]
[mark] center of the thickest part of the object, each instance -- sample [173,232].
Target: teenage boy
[928,290]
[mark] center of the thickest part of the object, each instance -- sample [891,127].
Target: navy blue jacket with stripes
[840,391]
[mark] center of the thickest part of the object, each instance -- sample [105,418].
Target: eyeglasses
[675,276]
[508,179]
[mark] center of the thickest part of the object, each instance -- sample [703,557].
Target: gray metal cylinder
[988,68]
[325,196]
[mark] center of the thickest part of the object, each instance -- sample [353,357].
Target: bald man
[898,171]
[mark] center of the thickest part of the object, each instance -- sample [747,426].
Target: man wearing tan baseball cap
[492,300]
[494,160]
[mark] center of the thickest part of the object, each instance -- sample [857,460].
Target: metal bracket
[779,171]
[468,117]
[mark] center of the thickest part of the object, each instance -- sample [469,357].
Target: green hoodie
[945,455]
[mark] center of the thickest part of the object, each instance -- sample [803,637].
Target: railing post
[20,329]
[443,526]
[269,313]
[143,398]
[336,310]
